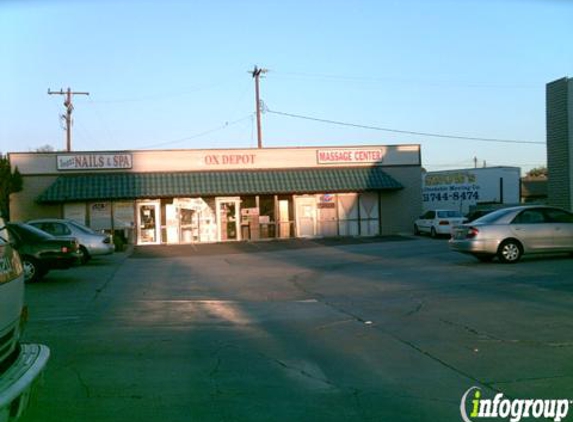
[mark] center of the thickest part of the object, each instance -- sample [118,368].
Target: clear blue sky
[174,74]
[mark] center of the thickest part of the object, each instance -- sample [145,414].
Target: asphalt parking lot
[388,329]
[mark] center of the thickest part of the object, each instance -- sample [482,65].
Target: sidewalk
[271,245]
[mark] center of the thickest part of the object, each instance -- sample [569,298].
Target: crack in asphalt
[416,310]
[214,372]
[82,382]
[100,289]
[512,381]
[488,336]
[295,280]
[354,392]
[302,372]
[471,330]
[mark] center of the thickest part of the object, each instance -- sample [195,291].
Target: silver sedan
[512,232]
[91,243]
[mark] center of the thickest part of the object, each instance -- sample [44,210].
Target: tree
[10,182]
[537,173]
[45,148]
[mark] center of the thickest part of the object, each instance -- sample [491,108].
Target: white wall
[461,189]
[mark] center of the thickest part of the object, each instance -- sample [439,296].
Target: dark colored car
[91,243]
[41,252]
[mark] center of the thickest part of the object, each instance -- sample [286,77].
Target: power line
[103,122]
[162,95]
[402,80]
[407,132]
[198,135]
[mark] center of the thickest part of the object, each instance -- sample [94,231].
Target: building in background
[534,190]
[465,189]
[559,114]
[189,196]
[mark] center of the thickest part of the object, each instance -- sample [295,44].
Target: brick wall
[559,113]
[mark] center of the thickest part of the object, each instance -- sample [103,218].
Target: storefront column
[379,214]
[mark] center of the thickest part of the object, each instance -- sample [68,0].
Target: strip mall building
[188,196]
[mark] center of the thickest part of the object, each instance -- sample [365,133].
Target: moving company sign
[94,161]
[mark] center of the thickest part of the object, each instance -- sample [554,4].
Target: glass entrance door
[148,223]
[228,213]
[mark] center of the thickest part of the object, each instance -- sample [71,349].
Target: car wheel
[433,233]
[33,271]
[416,230]
[510,251]
[84,255]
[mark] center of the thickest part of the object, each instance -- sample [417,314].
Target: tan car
[21,364]
[510,233]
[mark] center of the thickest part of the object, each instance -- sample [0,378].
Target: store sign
[350,155]
[229,159]
[458,178]
[196,204]
[94,161]
[326,201]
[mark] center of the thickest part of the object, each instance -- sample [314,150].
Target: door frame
[305,201]
[156,204]
[228,200]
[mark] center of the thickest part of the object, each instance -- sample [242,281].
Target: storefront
[194,196]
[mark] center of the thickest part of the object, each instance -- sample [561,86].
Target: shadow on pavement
[163,251]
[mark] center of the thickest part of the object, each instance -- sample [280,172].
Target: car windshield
[82,228]
[493,216]
[449,214]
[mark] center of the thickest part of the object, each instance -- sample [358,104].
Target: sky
[176,75]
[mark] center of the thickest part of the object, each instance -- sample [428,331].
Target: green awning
[114,186]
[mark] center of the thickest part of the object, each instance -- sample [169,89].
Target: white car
[438,222]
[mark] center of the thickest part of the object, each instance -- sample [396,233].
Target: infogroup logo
[514,409]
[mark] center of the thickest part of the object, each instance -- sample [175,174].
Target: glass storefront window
[267,222]
[193,220]
[100,215]
[75,211]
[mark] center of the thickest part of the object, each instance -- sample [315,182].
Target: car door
[426,220]
[532,228]
[562,222]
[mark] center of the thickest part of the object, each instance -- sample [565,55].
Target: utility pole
[256,74]
[68,116]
